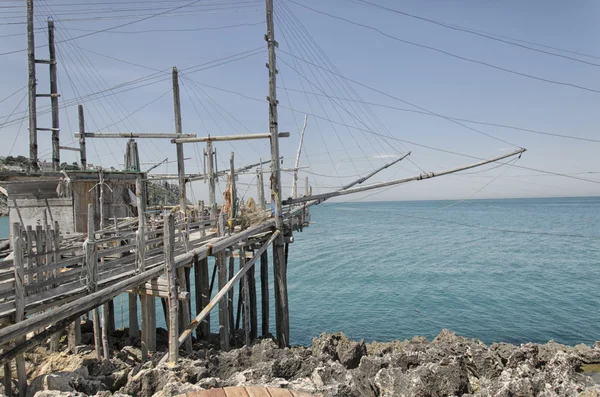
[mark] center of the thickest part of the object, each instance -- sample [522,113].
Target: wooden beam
[221,138]
[429,175]
[82,151]
[178,127]
[129,135]
[222,292]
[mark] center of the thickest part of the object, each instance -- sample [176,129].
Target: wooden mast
[279,263]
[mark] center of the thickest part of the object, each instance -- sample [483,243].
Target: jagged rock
[148,381]
[55,393]
[503,350]
[339,348]
[429,380]
[587,354]
[175,389]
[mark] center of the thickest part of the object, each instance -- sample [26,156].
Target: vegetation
[163,193]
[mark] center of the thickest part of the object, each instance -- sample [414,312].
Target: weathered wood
[7,380]
[179,146]
[297,163]
[245,298]
[251,276]
[82,151]
[74,335]
[281,297]
[19,303]
[204,290]
[220,138]
[264,292]
[54,98]
[184,309]
[170,275]
[230,297]
[210,165]
[223,306]
[260,189]
[105,327]
[92,274]
[33,146]
[150,135]
[220,296]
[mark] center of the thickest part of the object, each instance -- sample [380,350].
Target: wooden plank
[245,299]
[235,392]
[255,391]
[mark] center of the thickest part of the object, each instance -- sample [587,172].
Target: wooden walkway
[247,391]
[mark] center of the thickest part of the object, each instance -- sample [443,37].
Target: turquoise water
[383,271]
[3,226]
[379,271]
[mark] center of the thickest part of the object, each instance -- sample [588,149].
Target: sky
[374,81]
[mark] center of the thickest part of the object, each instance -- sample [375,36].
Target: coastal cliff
[449,365]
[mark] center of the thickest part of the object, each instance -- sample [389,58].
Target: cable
[14,93]
[118,26]
[470,31]
[176,30]
[462,119]
[530,76]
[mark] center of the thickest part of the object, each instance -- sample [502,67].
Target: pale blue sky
[432,80]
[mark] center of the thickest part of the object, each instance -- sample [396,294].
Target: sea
[506,270]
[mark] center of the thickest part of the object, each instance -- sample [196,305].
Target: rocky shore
[449,365]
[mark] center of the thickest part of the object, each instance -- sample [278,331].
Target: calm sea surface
[392,270]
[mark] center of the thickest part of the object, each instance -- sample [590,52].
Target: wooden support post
[74,335]
[264,291]
[54,99]
[260,189]
[306,193]
[170,275]
[82,151]
[184,309]
[251,275]
[223,304]
[105,307]
[148,303]
[7,380]
[19,271]
[180,159]
[210,165]
[202,226]
[279,265]
[233,192]
[33,146]
[230,297]
[92,264]
[245,298]
[203,297]
[105,326]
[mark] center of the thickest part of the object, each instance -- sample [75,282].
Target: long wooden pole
[419,177]
[54,99]
[33,145]
[297,163]
[210,165]
[279,265]
[180,159]
[82,151]
[370,175]
[220,138]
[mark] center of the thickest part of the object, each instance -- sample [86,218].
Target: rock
[337,347]
[587,354]
[55,393]
[424,381]
[349,353]
[148,381]
[588,393]
[175,389]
